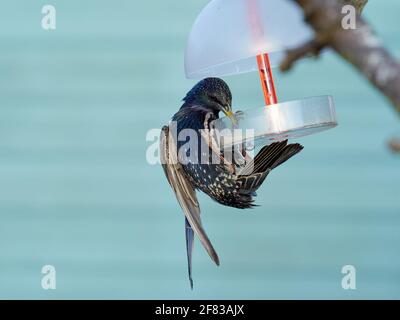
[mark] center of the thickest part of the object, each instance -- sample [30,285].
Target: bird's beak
[231,116]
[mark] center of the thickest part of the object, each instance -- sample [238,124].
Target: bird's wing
[184,191]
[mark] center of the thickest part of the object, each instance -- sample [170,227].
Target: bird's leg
[238,155]
[239,115]
[239,150]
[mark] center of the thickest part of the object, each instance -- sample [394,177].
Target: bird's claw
[238,116]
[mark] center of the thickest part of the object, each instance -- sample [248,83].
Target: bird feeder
[231,37]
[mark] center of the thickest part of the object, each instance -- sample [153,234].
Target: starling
[222,181]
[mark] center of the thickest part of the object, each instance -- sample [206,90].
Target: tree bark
[360,47]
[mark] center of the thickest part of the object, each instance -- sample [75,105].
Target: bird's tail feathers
[271,156]
[289,151]
[189,249]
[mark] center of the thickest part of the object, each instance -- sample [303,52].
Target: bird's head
[213,94]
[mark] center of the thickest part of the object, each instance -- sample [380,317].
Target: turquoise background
[76,191]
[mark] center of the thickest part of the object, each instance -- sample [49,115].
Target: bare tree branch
[360,47]
[314,46]
[358,4]
[394,145]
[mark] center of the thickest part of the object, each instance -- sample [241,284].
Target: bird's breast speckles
[213,180]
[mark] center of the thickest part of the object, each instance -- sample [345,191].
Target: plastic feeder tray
[292,119]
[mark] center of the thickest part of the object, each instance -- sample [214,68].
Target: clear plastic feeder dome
[237,36]
[228,34]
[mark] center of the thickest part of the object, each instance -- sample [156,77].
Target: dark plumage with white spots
[201,106]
